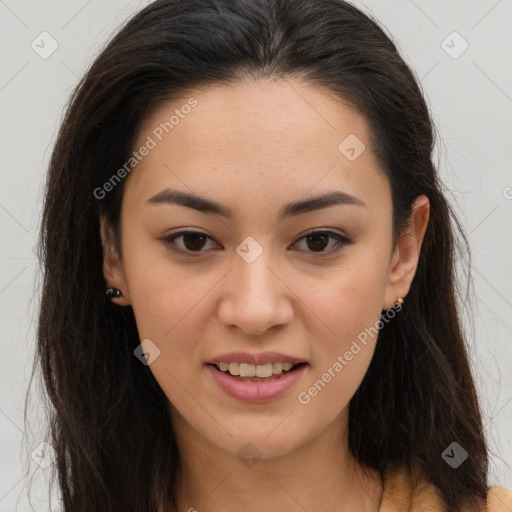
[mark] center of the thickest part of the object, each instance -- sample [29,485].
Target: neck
[320,475]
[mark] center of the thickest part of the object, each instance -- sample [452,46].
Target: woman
[249,298]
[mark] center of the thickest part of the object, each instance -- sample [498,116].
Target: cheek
[164,296]
[346,302]
[347,308]
[332,386]
[342,357]
[172,320]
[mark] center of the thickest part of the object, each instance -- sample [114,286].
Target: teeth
[255,370]
[233,368]
[263,370]
[246,370]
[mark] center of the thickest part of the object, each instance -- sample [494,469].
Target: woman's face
[253,287]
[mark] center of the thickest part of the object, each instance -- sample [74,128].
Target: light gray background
[471,100]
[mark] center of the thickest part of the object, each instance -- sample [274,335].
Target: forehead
[258,136]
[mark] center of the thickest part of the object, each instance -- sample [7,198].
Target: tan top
[402,494]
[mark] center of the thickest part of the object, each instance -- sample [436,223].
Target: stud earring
[399,301]
[113,293]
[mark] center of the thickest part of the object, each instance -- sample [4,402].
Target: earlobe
[112,267]
[404,261]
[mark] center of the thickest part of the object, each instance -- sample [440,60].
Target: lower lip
[264,391]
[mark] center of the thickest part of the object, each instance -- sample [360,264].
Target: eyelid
[342,241]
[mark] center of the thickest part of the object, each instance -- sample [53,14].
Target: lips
[261,391]
[237,374]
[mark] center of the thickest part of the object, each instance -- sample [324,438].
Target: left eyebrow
[202,204]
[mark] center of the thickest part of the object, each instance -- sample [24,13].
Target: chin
[265,442]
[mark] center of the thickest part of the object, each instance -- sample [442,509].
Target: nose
[255,297]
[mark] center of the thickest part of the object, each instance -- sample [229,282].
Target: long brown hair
[109,422]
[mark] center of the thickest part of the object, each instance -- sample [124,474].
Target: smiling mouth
[257,373]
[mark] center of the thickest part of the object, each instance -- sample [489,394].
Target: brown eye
[192,241]
[318,241]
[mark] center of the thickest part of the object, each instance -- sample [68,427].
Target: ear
[112,266]
[404,260]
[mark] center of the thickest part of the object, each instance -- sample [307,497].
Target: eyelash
[168,241]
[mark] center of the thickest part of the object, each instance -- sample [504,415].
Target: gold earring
[399,301]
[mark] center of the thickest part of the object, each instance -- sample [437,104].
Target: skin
[254,146]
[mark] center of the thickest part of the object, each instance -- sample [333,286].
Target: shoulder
[410,491]
[499,499]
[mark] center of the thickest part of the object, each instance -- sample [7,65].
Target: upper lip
[261,358]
